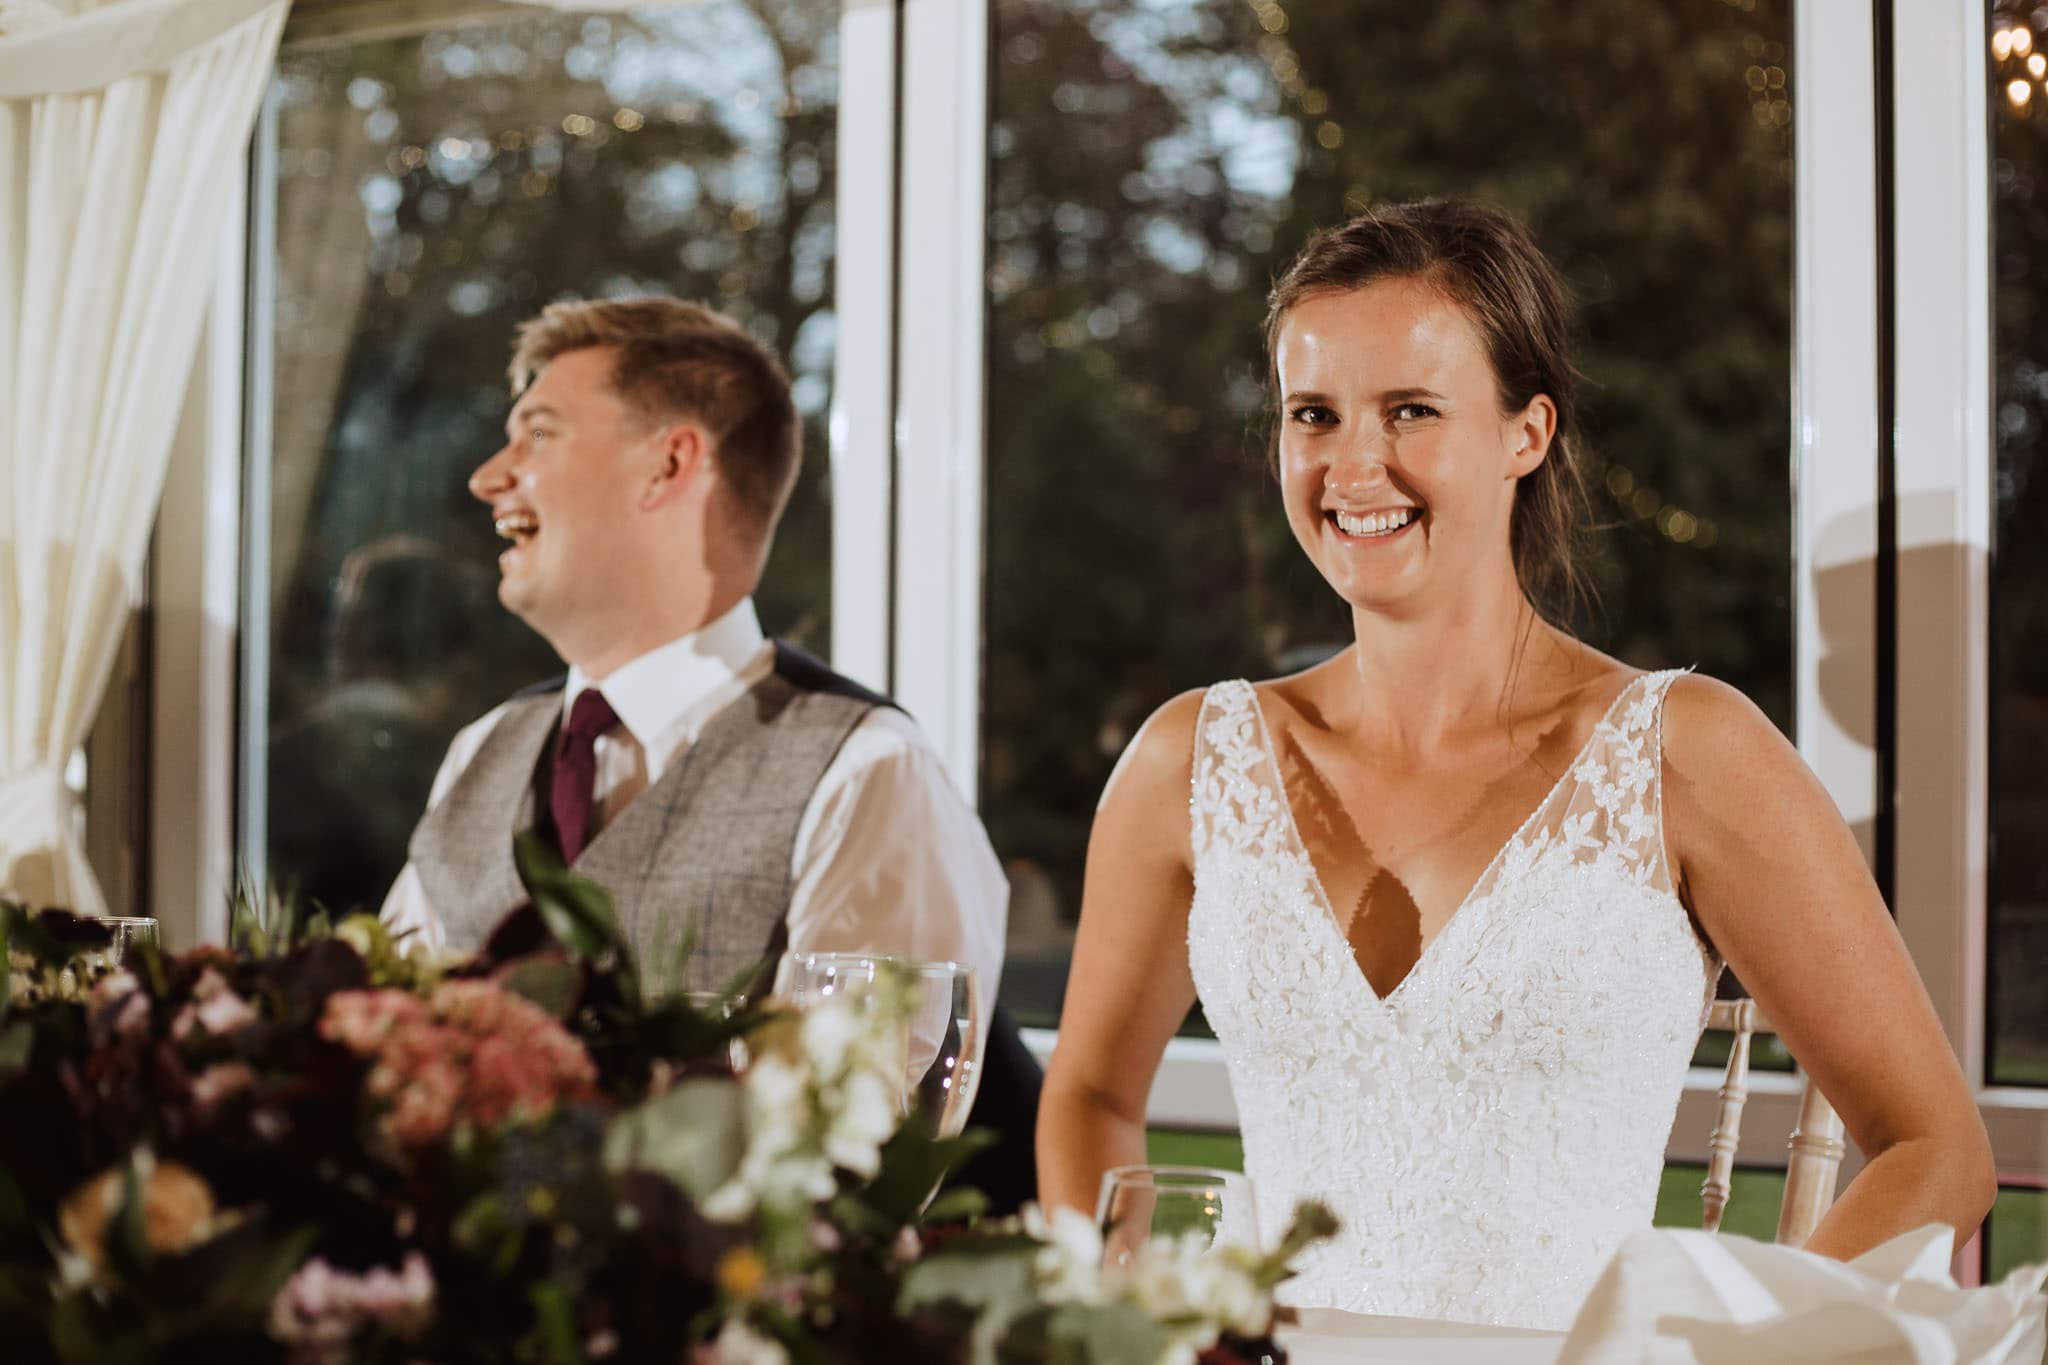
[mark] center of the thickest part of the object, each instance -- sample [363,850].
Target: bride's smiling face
[1396,463]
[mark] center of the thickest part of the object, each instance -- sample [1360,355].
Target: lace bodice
[1490,1131]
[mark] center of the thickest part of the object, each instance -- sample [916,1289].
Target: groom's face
[565,492]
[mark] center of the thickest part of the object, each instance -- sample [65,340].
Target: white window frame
[1942,209]
[195,588]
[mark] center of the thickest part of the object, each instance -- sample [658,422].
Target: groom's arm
[890,858]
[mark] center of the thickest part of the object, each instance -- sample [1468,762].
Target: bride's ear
[1529,435]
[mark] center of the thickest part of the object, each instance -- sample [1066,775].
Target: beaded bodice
[1490,1130]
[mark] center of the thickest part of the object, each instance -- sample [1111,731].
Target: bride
[1455,901]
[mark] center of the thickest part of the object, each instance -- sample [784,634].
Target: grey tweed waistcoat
[706,849]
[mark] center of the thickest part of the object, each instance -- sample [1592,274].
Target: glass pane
[1151,168]
[2017,1234]
[2018,933]
[432,192]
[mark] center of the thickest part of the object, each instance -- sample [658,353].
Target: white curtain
[123,127]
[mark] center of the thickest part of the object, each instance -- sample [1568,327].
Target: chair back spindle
[1817,1145]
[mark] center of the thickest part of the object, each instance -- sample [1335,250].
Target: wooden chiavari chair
[1817,1143]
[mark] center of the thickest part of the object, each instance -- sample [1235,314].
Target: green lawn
[2019,1233]
[1752,1203]
[2019,1221]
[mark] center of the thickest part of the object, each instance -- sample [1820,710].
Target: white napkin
[1672,1295]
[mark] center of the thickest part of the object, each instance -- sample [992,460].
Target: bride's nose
[1361,469]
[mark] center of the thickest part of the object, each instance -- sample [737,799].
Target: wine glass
[1139,1203]
[943,1039]
[129,936]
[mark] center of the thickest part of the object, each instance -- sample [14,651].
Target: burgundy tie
[570,790]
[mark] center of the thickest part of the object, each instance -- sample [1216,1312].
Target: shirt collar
[659,691]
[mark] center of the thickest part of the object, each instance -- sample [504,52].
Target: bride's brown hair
[1486,262]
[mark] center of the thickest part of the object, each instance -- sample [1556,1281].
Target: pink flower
[361,1020]
[119,1006]
[320,1310]
[218,1083]
[473,1052]
[506,1079]
[110,990]
[226,1013]
[219,1010]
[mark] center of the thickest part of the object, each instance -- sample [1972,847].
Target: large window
[430,191]
[2018,891]
[1144,166]
[1152,167]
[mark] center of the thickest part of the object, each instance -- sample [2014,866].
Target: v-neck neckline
[1428,950]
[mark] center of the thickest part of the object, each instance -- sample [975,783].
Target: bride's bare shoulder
[1162,754]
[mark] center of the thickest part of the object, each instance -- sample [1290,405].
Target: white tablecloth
[1327,1337]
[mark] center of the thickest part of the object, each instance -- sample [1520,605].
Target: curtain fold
[114,204]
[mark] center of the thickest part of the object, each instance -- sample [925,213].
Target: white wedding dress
[1490,1131]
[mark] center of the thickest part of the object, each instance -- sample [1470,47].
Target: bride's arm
[1765,861]
[1128,988]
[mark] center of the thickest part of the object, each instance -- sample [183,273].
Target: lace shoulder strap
[1608,808]
[1620,780]
[1230,798]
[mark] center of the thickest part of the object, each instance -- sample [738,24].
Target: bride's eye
[1414,412]
[1312,415]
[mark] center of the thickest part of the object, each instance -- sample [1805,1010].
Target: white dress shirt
[888,857]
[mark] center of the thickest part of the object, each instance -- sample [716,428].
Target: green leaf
[128,1243]
[554,1325]
[241,1295]
[17,1041]
[913,1163]
[14,1218]
[486,1231]
[694,1135]
[1111,1334]
[81,1334]
[1312,1223]
[551,985]
[959,1205]
[576,910]
[991,1276]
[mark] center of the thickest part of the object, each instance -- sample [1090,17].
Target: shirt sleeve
[890,858]
[406,909]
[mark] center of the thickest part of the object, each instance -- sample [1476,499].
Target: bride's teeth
[1374,523]
[515,524]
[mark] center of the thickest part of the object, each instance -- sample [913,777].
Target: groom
[718,784]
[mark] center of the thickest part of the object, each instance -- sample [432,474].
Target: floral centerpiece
[320,1147]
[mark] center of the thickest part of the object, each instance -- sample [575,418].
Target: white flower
[775,1089]
[730,1202]
[829,1032]
[1068,1267]
[740,1344]
[828,1104]
[866,1118]
[1188,1279]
